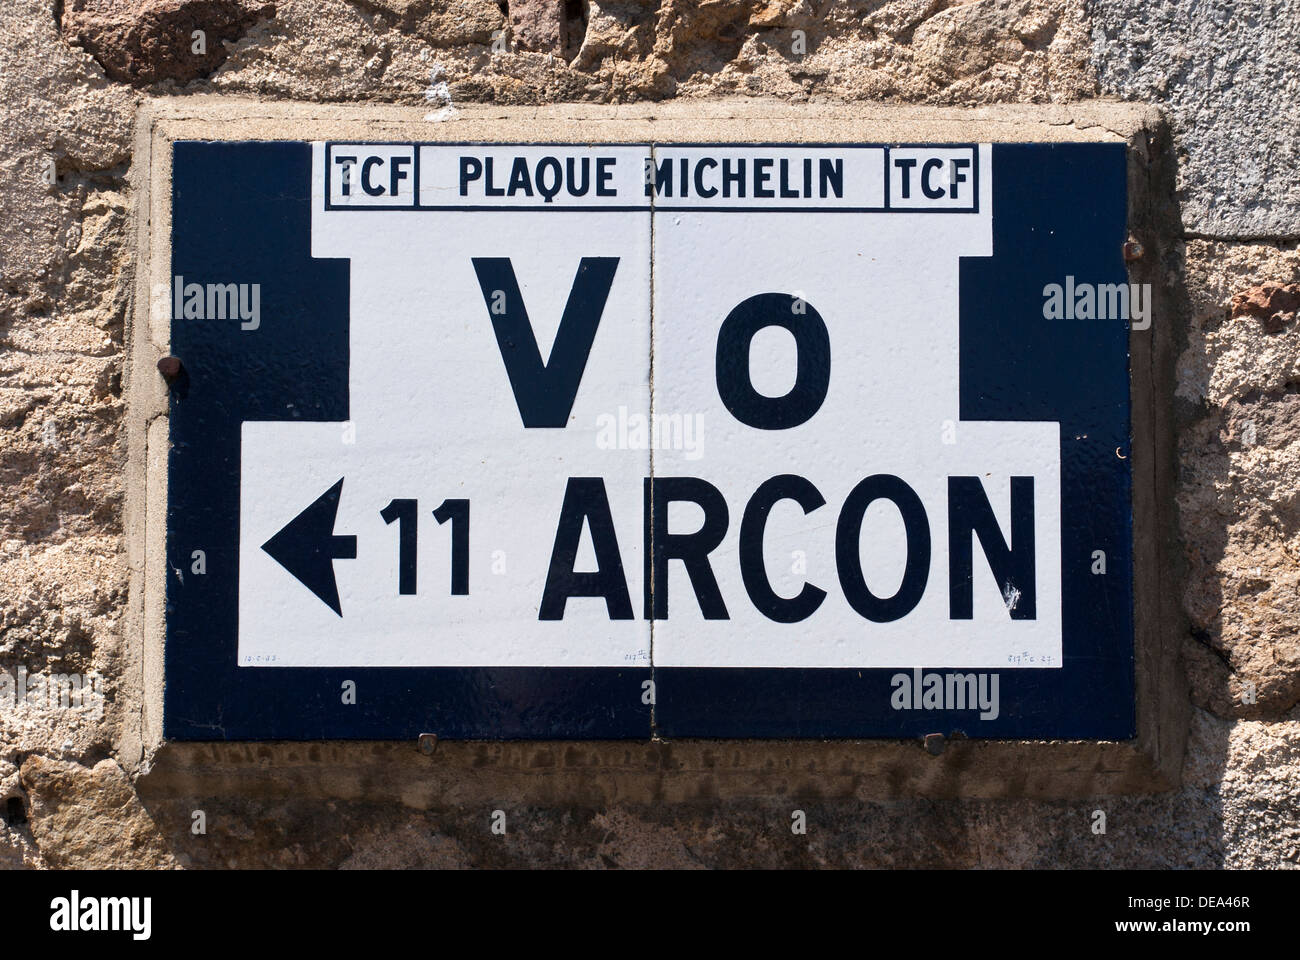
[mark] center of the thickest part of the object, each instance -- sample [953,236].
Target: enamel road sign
[562,441]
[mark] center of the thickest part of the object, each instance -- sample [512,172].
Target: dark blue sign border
[242,210]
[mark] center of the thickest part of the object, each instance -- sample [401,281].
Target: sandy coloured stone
[441,23]
[66,260]
[90,818]
[1239,494]
[538,25]
[1273,303]
[145,41]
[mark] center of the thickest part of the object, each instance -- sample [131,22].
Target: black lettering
[585,501]
[488,189]
[406,513]
[457,511]
[969,512]
[730,176]
[768,602]
[832,176]
[812,378]
[520,181]
[574,189]
[692,549]
[557,174]
[396,174]
[544,392]
[346,181]
[605,173]
[366,185]
[700,188]
[848,560]
[471,168]
[931,165]
[905,165]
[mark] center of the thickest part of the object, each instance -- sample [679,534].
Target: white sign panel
[769,333]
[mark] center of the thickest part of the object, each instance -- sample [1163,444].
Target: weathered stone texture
[1240,496]
[1226,70]
[90,818]
[64,293]
[1274,304]
[538,25]
[442,23]
[61,115]
[916,50]
[147,41]
[1228,75]
[1240,787]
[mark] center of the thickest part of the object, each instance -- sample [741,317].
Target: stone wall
[72,75]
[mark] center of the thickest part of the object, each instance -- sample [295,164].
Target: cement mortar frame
[658,771]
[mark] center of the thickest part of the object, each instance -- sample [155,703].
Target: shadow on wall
[451,813]
[1236,405]
[1239,495]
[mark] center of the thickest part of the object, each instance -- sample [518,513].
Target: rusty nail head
[169,367]
[934,743]
[1133,251]
[428,743]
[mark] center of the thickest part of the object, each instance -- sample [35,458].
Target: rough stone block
[538,25]
[1225,70]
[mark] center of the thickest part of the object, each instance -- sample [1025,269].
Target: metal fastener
[170,367]
[428,743]
[934,743]
[1133,251]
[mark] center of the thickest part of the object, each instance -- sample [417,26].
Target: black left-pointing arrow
[307,547]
